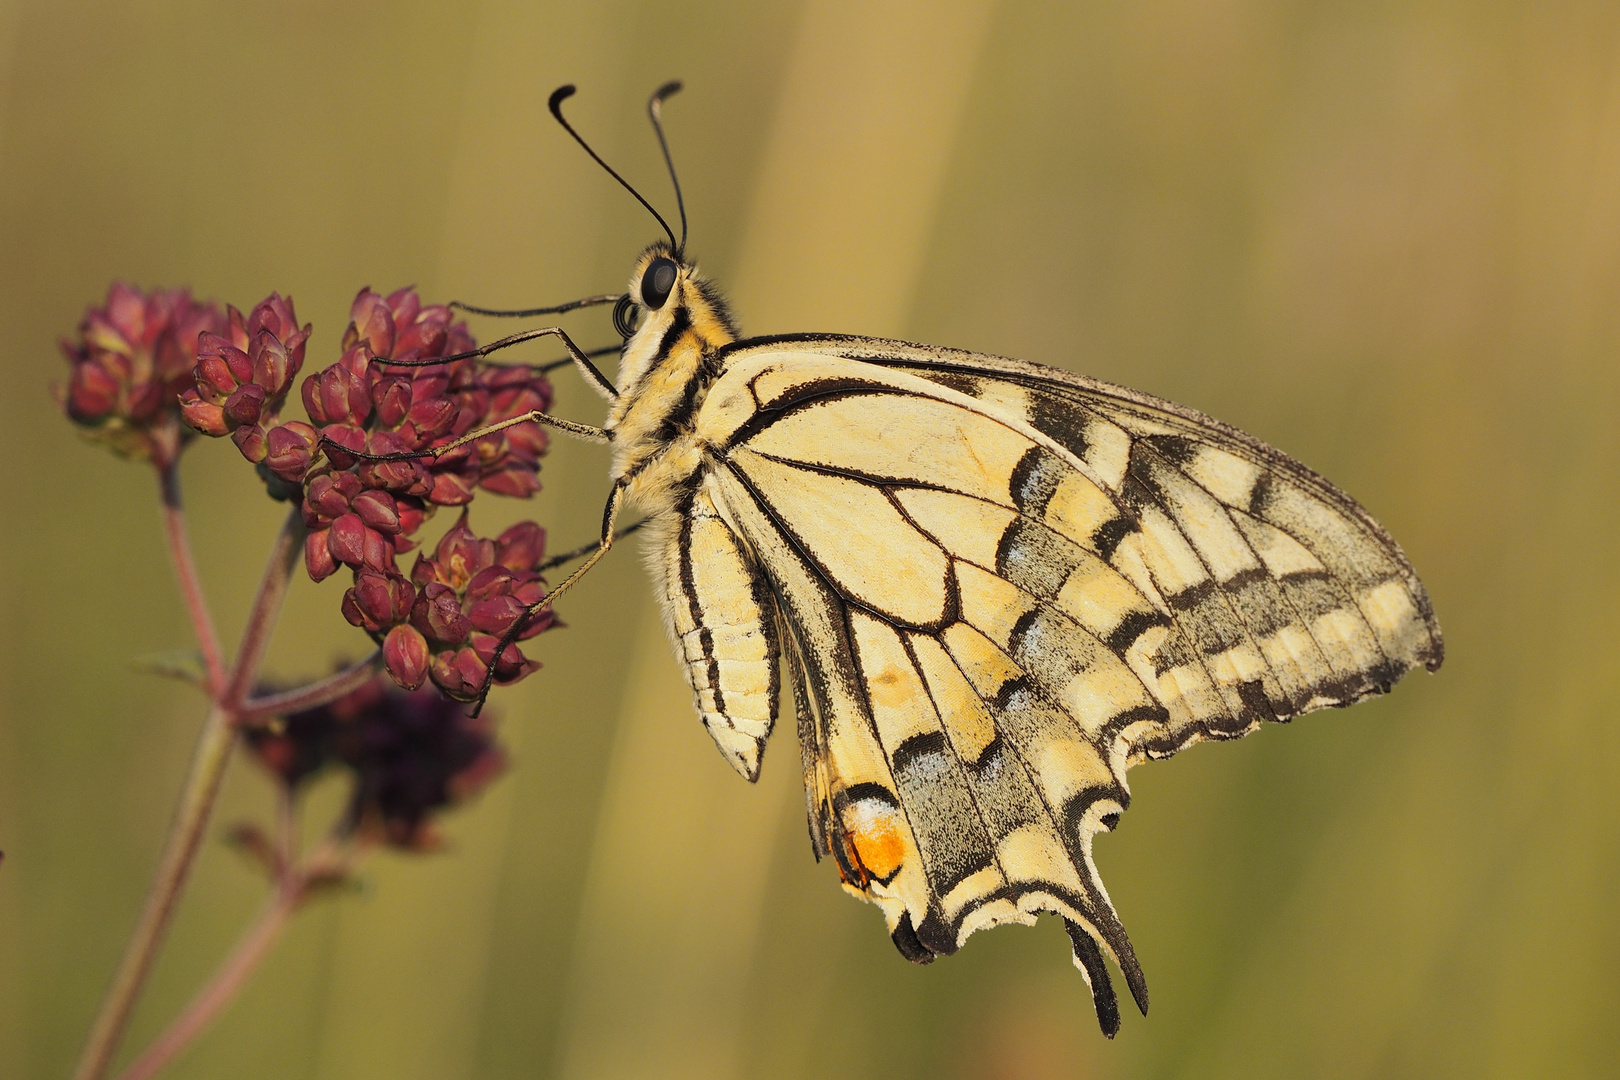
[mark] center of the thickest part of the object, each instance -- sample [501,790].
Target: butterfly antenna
[563,93]
[655,109]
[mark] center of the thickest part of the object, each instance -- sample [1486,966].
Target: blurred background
[1384,237]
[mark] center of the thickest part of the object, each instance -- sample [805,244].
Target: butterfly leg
[598,381]
[529,313]
[610,516]
[567,427]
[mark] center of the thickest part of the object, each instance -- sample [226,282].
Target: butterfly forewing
[1001,586]
[1269,592]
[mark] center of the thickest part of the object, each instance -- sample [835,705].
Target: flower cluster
[363,472]
[132,358]
[242,377]
[449,619]
[410,755]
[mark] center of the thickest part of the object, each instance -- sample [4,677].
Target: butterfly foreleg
[593,375]
[529,313]
[567,427]
[610,516]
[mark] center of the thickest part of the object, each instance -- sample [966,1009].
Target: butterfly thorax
[664,373]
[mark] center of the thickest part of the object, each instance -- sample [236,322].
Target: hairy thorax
[664,373]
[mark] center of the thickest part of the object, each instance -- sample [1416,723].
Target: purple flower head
[132,358]
[242,376]
[411,756]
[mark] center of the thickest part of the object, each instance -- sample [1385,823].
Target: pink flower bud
[490,581]
[325,498]
[350,608]
[314,402]
[250,440]
[290,449]
[236,328]
[275,314]
[370,324]
[511,666]
[411,514]
[348,485]
[271,364]
[437,614]
[392,398]
[347,540]
[449,489]
[433,416]
[420,340]
[335,437]
[459,674]
[514,481]
[202,416]
[405,654]
[378,510]
[405,305]
[383,599]
[461,554]
[377,552]
[496,614]
[246,404]
[318,556]
[214,372]
[333,395]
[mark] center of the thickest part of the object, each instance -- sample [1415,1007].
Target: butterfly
[993,587]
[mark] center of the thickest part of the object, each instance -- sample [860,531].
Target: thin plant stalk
[209,759]
[185,568]
[232,975]
[322,692]
[293,887]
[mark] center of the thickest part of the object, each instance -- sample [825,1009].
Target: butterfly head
[669,308]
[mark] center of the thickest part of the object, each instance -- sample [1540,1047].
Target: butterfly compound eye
[657,282]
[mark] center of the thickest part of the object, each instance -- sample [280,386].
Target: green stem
[208,762]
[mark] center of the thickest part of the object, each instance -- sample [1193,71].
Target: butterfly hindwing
[722,622]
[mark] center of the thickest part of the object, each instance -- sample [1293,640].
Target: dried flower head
[414,755]
[242,377]
[132,358]
[448,620]
[380,400]
[371,406]
[410,755]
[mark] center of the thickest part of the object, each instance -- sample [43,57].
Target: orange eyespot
[873,832]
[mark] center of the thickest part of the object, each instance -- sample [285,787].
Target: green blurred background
[1383,236]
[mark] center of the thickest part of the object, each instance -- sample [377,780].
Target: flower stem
[185,567]
[294,884]
[250,950]
[212,754]
[322,692]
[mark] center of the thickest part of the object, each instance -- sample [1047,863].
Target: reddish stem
[185,567]
[322,692]
[250,950]
[212,754]
[294,884]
